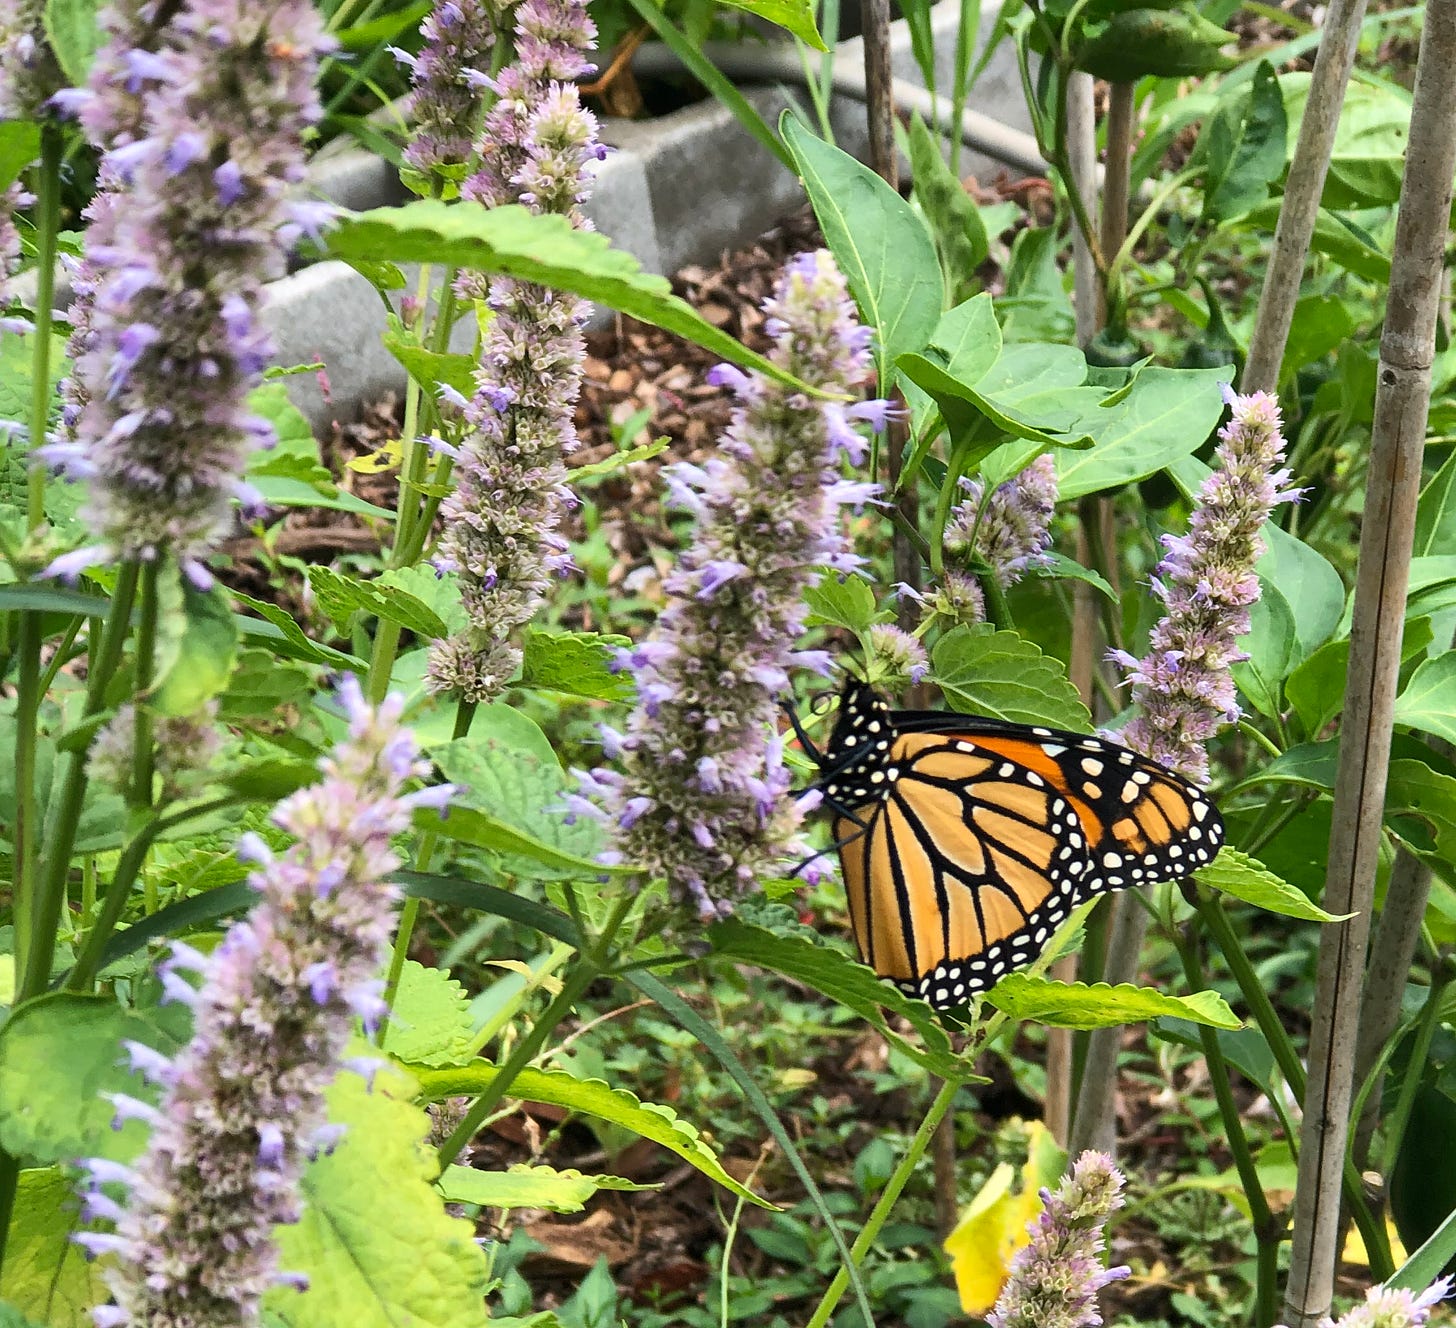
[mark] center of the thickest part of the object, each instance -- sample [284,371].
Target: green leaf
[575,664]
[512,241]
[841,601]
[1436,513]
[1309,583]
[591,1097]
[1005,676]
[440,593]
[429,368]
[74,35]
[46,1276]
[1272,650]
[842,979]
[429,1021]
[1234,873]
[53,1106]
[1167,415]
[522,791]
[1059,567]
[1321,323]
[417,1265]
[19,146]
[1316,689]
[1336,238]
[1428,702]
[527,1187]
[793,16]
[1244,147]
[1371,140]
[341,597]
[202,661]
[285,637]
[28,597]
[1078,1005]
[955,220]
[882,247]
[617,461]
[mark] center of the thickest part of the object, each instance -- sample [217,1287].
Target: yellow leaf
[386,457]
[993,1227]
[1355,1252]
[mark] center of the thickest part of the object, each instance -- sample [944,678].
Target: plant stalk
[146,651]
[65,809]
[894,1187]
[47,226]
[1299,210]
[1407,349]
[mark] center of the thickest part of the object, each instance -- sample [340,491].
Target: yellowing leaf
[381,459]
[1355,1252]
[994,1226]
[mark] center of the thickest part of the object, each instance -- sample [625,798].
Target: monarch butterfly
[966,841]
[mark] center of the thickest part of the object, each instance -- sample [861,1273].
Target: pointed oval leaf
[1078,1005]
[1237,874]
[527,1187]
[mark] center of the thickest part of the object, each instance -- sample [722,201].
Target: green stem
[60,828]
[593,963]
[113,902]
[887,1200]
[146,654]
[27,805]
[1267,1231]
[9,1182]
[62,655]
[47,225]
[1411,1082]
[1377,1246]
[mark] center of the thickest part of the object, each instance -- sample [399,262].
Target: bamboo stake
[879,98]
[1302,190]
[1407,347]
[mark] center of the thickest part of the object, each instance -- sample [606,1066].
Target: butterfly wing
[970,841]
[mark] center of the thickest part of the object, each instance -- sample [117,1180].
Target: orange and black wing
[980,839]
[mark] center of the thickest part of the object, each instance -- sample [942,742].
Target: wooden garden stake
[1300,208]
[1407,347]
[879,98]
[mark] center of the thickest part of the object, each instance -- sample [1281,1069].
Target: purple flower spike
[11,201]
[200,111]
[1391,1308]
[244,1105]
[502,525]
[29,74]
[447,83]
[700,795]
[1054,1280]
[1207,582]
[1013,532]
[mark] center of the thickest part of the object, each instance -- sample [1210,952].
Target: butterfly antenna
[805,741]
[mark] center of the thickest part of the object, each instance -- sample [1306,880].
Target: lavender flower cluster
[1054,1280]
[446,84]
[503,522]
[698,800]
[1389,1307]
[1183,686]
[202,122]
[29,74]
[1008,531]
[243,1107]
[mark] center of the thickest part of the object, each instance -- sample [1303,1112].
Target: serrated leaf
[836,975]
[203,657]
[285,637]
[341,597]
[1428,702]
[46,1277]
[575,664]
[525,854]
[429,1021]
[417,1265]
[430,368]
[53,1106]
[1005,676]
[591,1097]
[438,592]
[525,792]
[74,34]
[881,246]
[1078,1005]
[841,601]
[617,461]
[1059,567]
[512,241]
[1234,873]
[527,1187]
